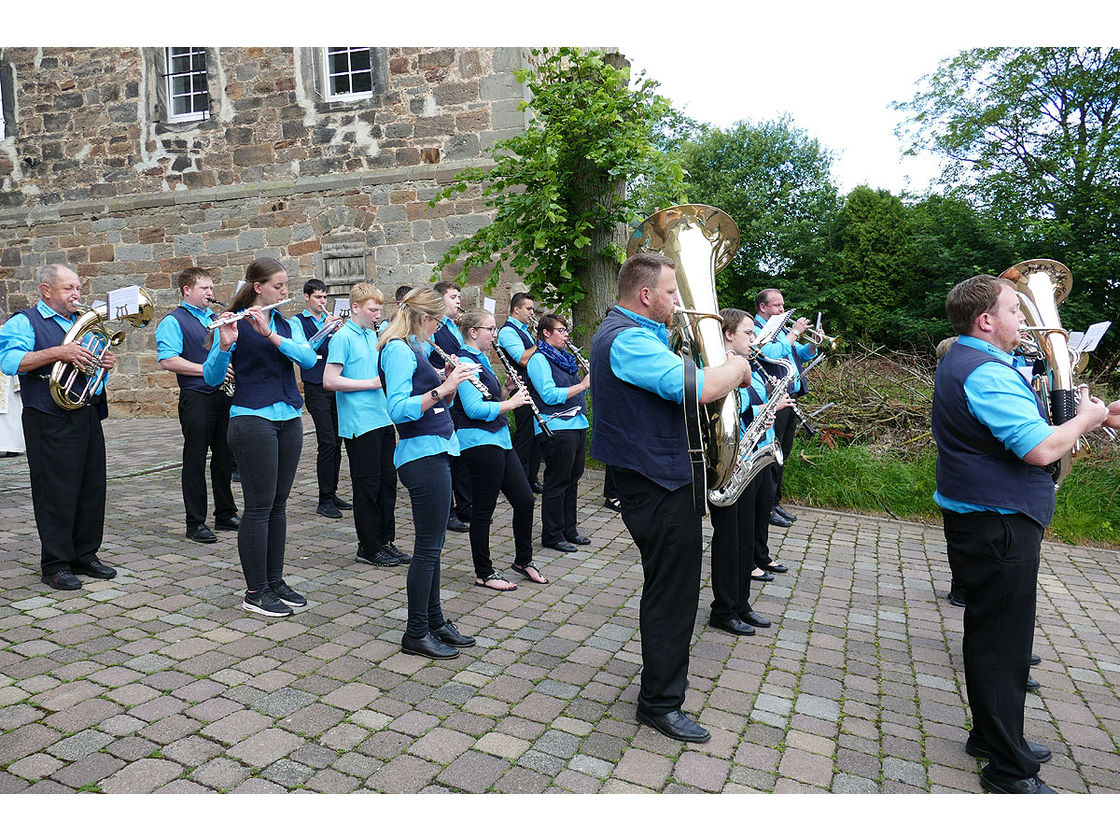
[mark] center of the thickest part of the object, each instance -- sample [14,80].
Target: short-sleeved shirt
[641,357]
[358,411]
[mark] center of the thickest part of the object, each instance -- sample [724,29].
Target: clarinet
[772,381]
[511,372]
[474,380]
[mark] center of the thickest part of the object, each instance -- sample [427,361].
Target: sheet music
[122,302]
[1093,336]
[342,307]
[490,305]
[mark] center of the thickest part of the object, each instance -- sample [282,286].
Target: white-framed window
[348,73]
[188,94]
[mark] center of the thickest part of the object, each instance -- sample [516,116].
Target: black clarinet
[507,363]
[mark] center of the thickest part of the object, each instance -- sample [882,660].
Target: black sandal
[524,572]
[495,576]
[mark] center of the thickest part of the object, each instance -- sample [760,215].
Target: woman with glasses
[558,392]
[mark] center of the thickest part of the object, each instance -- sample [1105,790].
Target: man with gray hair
[65,448]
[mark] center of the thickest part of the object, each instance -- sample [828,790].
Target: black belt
[695,441]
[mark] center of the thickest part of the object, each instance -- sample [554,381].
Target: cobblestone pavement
[159,681]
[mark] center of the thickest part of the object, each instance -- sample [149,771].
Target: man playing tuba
[65,448]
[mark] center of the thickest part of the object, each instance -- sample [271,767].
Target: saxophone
[749,463]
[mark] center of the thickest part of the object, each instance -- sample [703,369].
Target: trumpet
[237,316]
[474,380]
[773,382]
[507,363]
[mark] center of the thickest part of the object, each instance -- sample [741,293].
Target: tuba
[701,240]
[71,385]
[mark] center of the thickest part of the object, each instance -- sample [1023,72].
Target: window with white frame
[188,96]
[348,73]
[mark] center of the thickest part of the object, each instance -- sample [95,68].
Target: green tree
[559,190]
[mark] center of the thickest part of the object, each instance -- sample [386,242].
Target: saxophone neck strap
[695,441]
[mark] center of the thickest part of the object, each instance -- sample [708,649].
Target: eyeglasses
[492,329]
[562,330]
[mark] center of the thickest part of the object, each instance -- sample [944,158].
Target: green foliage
[556,187]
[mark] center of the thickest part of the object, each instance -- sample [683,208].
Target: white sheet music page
[342,307]
[1093,336]
[122,302]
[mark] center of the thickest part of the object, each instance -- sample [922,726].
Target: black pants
[268,453]
[492,469]
[328,452]
[428,481]
[461,503]
[374,480]
[996,556]
[733,539]
[204,419]
[764,500]
[666,529]
[526,444]
[785,428]
[563,466]
[66,460]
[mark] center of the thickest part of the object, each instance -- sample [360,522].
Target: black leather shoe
[783,512]
[1040,752]
[955,599]
[201,534]
[329,510]
[1036,659]
[94,569]
[428,646]
[733,625]
[449,635]
[536,487]
[341,505]
[231,524]
[779,520]
[777,568]
[765,576]
[676,725]
[1032,684]
[454,523]
[560,545]
[62,580]
[613,504]
[994,784]
[579,539]
[754,619]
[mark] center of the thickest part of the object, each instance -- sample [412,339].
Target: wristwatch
[434,394]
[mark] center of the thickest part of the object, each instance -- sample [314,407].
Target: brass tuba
[73,386]
[701,240]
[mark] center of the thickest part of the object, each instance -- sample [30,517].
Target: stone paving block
[221,774]
[34,767]
[404,774]
[142,776]
[473,772]
[237,726]
[80,745]
[263,748]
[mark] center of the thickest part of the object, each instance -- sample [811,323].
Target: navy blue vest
[447,342]
[263,374]
[34,387]
[424,379]
[526,340]
[563,379]
[632,427]
[314,374]
[973,466]
[194,349]
[463,421]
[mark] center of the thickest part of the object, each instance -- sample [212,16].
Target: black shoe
[428,646]
[1040,752]
[733,625]
[454,523]
[579,539]
[62,580]
[613,504]
[779,520]
[765,576]
[450,636]
[231,524]
[955,599]
[393,551]
[994,784]
[783,512]
[381,558]
[265,602]
[341,505]
[94,569]
[754,619]
[1032,684]
[201,534]
[777,568]
[560,545]
[235,476]
[329,509]
[536,487]
[1036,659]
[676,725]
[286,594]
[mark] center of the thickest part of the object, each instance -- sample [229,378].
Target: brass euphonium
[701,240]
[73,386]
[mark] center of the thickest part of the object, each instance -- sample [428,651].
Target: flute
[474,380]
[507,363]
[221,322]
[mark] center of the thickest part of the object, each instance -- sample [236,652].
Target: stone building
[131,164]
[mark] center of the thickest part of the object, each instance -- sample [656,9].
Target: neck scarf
[565,361]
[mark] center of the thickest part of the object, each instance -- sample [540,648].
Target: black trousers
[66,460]
[764,500]
[494,469]
[526,444]
[563,466]
[374,480]
[996,557]
[785,428]
[666,529]
[204,419]
[461,503]
[328,454]
[733,541]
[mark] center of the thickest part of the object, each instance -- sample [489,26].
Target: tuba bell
[701,240]
[73,386]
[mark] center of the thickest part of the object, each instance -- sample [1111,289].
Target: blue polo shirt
[297,329]
[509,341]
[17,337]
[399,364]
[540,373]
[641,357]
[359,412]
[782,348]
[169,335]
[476,407]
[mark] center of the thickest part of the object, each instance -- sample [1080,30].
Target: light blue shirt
[299,351]
[758,385]
[398,361]
[540,374]
[1000,398]
[169,333]
[475,407]
[641,357]
[358,411]
[509,341]
[782,348]
[17,339]
[297,329]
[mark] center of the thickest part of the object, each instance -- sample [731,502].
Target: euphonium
[71,385]
[701,240]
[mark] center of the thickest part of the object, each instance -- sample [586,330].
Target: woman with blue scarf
[558,392]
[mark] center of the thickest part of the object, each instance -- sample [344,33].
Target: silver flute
[229,319]
[511,372]
[228,386]
[474,380]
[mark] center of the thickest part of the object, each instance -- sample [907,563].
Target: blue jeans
[428,481]
[267,453]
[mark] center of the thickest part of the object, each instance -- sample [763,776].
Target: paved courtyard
[159,681]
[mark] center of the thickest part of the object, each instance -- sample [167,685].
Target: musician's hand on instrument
[786,402]
[1113,421]
[520,398]
[76,354]
[1092,409]
[227,335]
[108,360]
[799,326]
[259,320]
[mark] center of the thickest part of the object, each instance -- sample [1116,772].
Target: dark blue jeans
[428,481]
[267,453]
